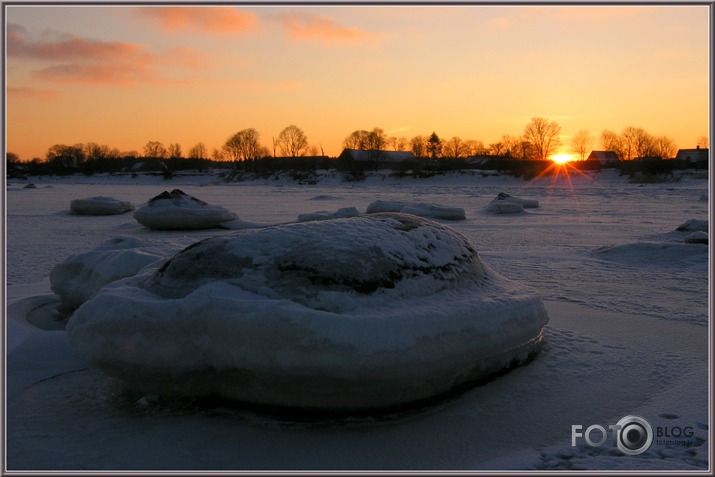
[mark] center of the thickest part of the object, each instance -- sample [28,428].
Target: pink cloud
[33,93]
[69,47]
[74,59]
[304,26]
[212,20]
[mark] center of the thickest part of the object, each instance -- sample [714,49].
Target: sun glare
[562,158]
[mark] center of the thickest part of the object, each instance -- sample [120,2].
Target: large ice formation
[177,210]
[355,314]
[99,205]
[421,209]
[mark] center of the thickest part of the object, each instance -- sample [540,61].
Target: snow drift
[99,205]
[343,315]
[177,210]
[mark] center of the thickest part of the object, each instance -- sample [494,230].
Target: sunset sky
[125,75]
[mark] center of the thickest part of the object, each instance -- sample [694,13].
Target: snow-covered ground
[628,334]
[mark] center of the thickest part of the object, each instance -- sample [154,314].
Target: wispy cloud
[33,93]
[306,26]
[69,47]
[206,20]
[74,59]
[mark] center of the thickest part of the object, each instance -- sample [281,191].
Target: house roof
[604,157]
[692,155]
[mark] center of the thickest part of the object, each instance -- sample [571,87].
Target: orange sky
[126,75]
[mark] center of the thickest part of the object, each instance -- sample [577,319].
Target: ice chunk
[177,210]
[324,214]
[421,209]
[79,277]
[697,237]
[99,205]
[338,315]
[504,203]
[693,225]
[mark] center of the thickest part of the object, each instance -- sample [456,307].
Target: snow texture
[342,315]
[177,210]
[100,205]
[420,209]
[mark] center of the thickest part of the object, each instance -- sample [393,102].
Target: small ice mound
[697,237]
[30,186]
[177,210]
[504,203]
[99,205]
[78,278]
[343,213]
[421,209]
[693,225]
[361,314]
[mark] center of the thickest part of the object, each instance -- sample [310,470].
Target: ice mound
[78,278]
[421,209]
[345,212]
[356,314]
[99,205]
[697,237]
[177,210]
[693,225]
[504,203]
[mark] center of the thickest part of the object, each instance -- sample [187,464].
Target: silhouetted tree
[543,136]
[434,146]
[198,151]
[174,151]
[611,141]
[418,146]
[243,145]
[703,142]
[292,141]
[582,143]
[455,148]
[664,147]
[154,149]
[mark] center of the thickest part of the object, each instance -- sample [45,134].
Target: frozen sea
[629,334]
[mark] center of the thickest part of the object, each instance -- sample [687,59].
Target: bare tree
[174,150]
[243,145]
[397,143]
[376,139]
[356,140]
[455,148]
[511,145]
[664,147]
[476,147]
[154,149]
[582,143]
[199,151]
[543,135]
[611,141]
[217,155]
[292,141]
[418,146]
[703,142]
[496,148]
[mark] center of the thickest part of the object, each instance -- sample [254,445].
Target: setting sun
[562,158]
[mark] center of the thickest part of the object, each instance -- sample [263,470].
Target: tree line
[540,139]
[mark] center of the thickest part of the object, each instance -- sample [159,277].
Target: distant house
[603,157]
[693,155]
[382,157]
